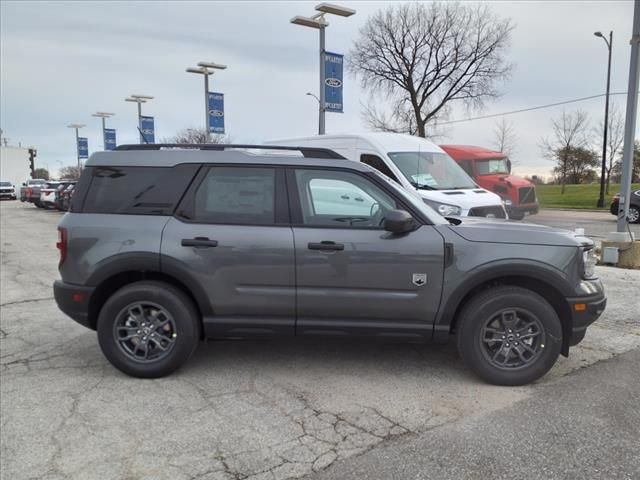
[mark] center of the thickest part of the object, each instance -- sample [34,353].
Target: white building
[14,165]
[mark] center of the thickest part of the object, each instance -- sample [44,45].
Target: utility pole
[76,127]
[139,99]
[630,123]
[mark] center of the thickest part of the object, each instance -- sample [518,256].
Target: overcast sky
[62,61]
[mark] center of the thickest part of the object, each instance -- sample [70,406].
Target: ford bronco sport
[165,245]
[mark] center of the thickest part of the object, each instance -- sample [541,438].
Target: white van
[418,165]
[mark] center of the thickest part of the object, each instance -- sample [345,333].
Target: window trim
[184,211]
[297,216]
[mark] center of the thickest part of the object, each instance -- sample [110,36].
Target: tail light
[61,245]
[29,191]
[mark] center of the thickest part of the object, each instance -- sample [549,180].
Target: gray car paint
[247,285]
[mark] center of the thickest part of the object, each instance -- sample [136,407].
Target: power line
[582,99]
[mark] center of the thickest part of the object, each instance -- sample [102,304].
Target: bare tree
[505,137]
[569,134]
[195,135]
[425,57]
[71,172]
[615,138]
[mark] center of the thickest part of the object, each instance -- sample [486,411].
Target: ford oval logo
[216,113]
[333,82]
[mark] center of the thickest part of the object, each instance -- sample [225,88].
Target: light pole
[205,69]
[319,110]
[609,43]
[103,115]
[77,126]
[318,21]
[139,99]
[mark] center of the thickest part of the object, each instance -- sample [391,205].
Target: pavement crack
[19,302]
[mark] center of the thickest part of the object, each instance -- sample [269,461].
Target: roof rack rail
[308,152]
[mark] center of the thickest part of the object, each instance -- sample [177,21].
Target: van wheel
[509,335]
[148,329]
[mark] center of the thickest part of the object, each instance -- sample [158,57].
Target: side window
[466,166]
[134,190]
[236,195]
[377,163]
[344,199]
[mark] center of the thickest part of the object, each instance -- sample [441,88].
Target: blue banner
[333,82]
[83,147]
[148,133]
[216,112]
[109,138]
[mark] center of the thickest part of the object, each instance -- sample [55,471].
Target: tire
[634,214]
[516,216]
[127,310]
[487,352]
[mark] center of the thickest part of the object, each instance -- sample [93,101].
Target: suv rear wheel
[148,329]
[509,335]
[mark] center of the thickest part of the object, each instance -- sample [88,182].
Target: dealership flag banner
[216,112]
[148,133]
[83,147]
[333,82]
[110,138]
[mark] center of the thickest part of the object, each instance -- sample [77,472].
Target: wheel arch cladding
[550,292]
[109,285]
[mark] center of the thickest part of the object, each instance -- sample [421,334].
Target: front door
[353,277]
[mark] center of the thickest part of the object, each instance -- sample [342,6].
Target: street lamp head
[309,22]
[335,9]
[75,125]
[143,97]
[200,70]
[103,114]
[215,66]
[598,34]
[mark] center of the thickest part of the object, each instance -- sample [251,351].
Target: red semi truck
[492,171]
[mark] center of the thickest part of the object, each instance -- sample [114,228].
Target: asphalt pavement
[242,410]
[583,426]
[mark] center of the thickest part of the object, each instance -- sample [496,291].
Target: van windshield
[431,170]
[492,166]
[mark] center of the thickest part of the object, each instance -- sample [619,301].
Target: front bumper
[73,300]
[522,210]
[585,311]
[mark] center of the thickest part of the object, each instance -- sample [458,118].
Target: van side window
[377,163]
[466,166]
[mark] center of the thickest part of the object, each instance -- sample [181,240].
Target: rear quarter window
[133,190]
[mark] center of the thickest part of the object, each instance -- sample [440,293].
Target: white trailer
[14,165]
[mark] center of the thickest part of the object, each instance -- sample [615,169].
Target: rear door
[232,243]
[353,277]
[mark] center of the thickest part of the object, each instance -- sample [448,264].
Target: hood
[475,229]
[464,198]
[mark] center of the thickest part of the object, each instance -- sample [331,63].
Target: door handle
[327,246]
[199,242]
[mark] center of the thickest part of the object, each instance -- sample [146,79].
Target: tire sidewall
[169,298]
[637,209]
[487,306]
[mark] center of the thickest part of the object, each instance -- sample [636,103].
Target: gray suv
[166,245]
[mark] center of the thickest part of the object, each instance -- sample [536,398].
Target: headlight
[507,202]
[443,209]
[589,262]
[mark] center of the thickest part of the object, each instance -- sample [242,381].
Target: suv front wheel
[148,329]
[509,335]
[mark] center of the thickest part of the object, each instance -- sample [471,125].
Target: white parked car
[48,194]
[7,190]
[417,164]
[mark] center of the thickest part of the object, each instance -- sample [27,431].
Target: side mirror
[399,221]
[509,165]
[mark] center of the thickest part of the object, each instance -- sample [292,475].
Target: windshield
[417,203]
[5,184]
[493,165]
[431,170]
